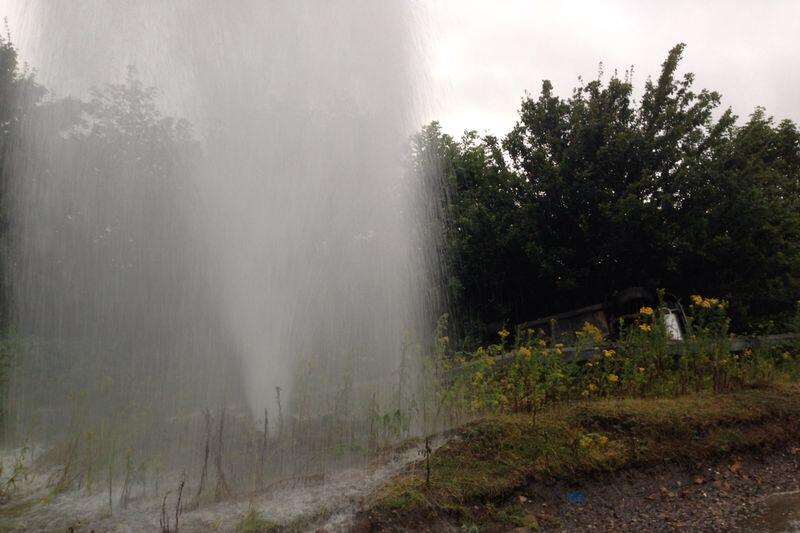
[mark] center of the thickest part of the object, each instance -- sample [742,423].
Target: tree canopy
[597,192]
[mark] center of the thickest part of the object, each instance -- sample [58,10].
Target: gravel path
[756,492]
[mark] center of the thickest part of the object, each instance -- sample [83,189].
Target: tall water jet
[269,242]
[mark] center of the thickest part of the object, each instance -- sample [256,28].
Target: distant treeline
[597,192]
[101,275]
[14,82]
[76,178]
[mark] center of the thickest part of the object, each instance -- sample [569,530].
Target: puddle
[780,514]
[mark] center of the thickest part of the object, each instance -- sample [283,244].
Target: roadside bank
[600,465]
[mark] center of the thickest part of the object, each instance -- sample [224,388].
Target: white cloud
[489,52]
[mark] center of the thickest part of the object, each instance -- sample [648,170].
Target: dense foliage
[98,209]
[600,191]
[530,372]
[20,96]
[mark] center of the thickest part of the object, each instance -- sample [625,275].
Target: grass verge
[488,460]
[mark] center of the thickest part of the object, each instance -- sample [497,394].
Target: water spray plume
[263,255]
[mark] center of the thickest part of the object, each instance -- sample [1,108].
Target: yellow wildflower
[613,378]
[602,440]
[707,303]
[541,343]
[525,352]
[591,331]
[645,327]
[503,333]
[608,354]
[592,387]
[747,351]
[646,311]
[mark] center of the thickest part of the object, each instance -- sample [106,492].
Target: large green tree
[600,191]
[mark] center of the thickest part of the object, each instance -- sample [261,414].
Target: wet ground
[753,492]
[757,492]
[327,501]
[779,513]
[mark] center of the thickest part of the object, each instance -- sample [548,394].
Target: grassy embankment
[486,462]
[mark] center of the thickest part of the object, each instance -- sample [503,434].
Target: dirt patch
[725,495]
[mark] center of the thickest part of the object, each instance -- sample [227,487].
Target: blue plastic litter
[577,498]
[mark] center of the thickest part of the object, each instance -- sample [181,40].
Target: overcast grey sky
[486,53]
[482,55]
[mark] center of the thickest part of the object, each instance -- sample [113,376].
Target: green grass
[254,522]
[488,460]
